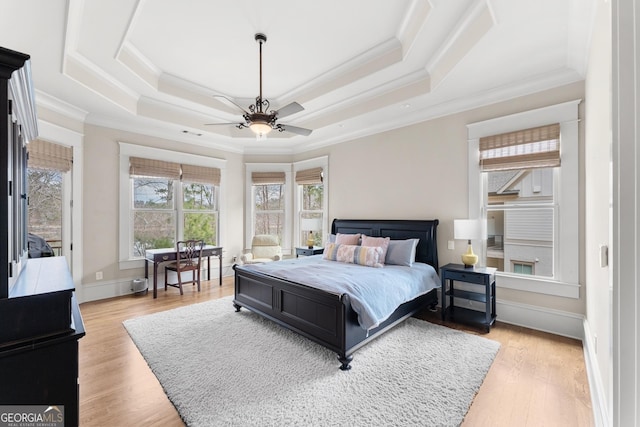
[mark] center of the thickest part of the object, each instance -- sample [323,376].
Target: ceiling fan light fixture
[260,127]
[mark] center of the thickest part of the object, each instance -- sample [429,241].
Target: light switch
[451,245]
[604,255]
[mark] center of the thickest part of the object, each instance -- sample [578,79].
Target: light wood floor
[537,379]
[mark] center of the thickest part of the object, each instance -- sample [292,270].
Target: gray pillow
[401,252]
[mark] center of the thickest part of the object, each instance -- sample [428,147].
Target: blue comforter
[375,293]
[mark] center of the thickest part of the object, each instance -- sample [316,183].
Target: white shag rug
[223,368]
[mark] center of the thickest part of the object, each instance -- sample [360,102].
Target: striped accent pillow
[354,254]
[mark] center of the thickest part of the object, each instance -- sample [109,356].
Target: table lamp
[311,225]
[469,229]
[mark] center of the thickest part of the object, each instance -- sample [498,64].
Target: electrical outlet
[98,275]
[234,259]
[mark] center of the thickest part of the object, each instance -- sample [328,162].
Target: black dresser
[40,322]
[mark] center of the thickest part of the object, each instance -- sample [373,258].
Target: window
[522,267]
[45,206]
[200,203]
[48,166]
[518,169]
[268,190]
[311,212]
[287,200]
[154,214]
[523,178]
[163,201]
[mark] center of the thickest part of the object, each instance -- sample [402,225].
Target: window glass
[154,216]
[522,268]
[269,209]
[152,193]
[200,212]
[45,206]
[311,215]
[521,213]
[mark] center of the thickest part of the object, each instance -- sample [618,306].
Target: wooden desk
[157,256]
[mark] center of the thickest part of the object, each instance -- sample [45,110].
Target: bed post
[345,360]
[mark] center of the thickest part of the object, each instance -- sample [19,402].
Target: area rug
[225,368]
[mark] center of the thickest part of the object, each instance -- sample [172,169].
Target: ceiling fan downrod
[260,102]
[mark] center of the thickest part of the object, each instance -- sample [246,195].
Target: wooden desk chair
[188,258]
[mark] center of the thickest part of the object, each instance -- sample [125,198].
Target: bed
[328,318]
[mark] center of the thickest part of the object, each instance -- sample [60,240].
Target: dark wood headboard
[396,229]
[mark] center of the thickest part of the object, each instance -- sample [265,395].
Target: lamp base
[469,259]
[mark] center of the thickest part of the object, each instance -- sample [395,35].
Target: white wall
[597,207]
[625,212]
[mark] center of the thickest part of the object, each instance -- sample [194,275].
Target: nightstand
[307,251]
[481,287]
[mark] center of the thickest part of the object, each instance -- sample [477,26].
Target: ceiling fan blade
[289,109]
[295,129]
[232,102]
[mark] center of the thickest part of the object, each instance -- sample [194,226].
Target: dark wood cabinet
[40,321]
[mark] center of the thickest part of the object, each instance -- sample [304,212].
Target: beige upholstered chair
[264,248]
[188,258]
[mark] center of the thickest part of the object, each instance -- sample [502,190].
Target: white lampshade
[469,229]
[311,224]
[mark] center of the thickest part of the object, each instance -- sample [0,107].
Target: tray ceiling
[357,67]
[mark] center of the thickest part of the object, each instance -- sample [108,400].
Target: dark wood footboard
[317,315]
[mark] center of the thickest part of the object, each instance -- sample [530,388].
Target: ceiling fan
[257,118]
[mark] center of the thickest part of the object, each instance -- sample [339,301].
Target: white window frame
[565,282]
[126,261]
[250,205]
[318,162]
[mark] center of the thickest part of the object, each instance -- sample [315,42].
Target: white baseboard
[543,319]
[114,288]
[596,388]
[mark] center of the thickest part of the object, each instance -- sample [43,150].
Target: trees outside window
[154,215]
[45,205]
[269,208]
[200,212]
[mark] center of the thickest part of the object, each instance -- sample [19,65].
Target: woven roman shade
[46,155]
[201,174]
[537,147]
[309,176]
[153,168]
[261,178]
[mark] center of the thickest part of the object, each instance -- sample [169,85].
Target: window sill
[537,285]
